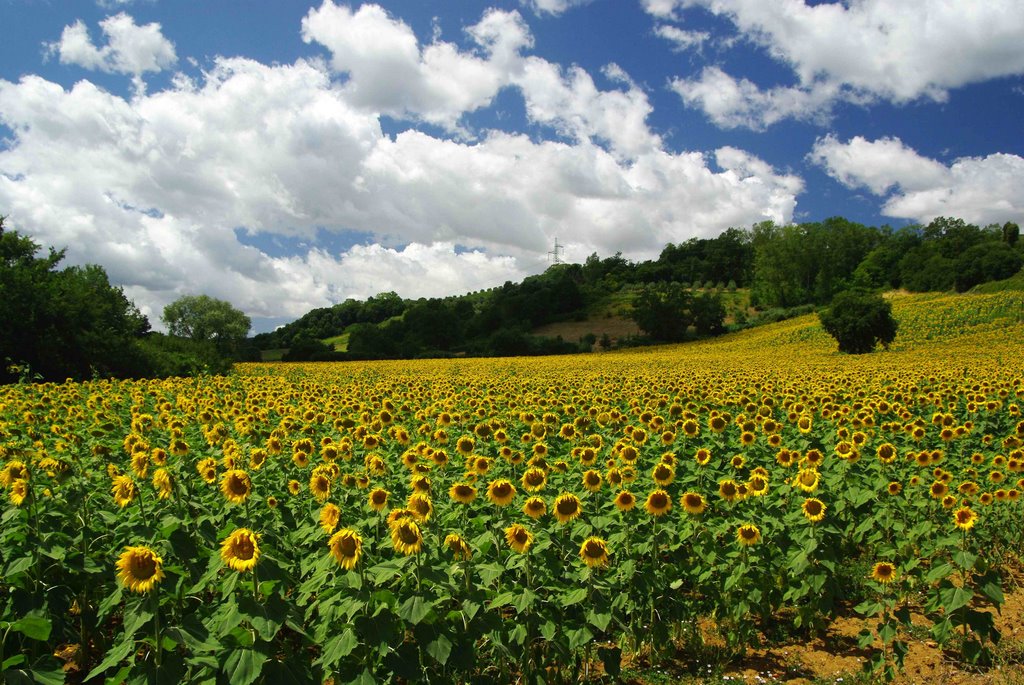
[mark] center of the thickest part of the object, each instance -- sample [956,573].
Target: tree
[708,314]
[859,320]
[68,323]
[988,261]
[202,318]
[664,312]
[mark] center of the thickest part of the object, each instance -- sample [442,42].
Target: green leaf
[440,649]
[938,573]
[18,565]
[115,656]
[548,630]
[259,615]
[964,559]
[243,666]
[991,585]
[12,662]
[136,618]
[942,630]
[574,597]
[865,639]
[579,637]
[415,609]
[489,572]
[524,600]
[502,599]
[952,598]
[338,648]
[33,626]
[868,607]
[599,621]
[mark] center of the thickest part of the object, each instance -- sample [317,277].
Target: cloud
[868,50]
[981,190]
[155,187]
[389,73]
[732,103]
[682,40]
[552,7]
[131,49]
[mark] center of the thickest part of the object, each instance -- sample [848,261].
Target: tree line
[787,268]
[70,322]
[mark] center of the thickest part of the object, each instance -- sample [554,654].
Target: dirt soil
[835,657]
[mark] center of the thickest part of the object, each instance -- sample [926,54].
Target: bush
[859,320]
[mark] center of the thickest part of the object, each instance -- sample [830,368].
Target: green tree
[201,318]
[69,323]
[988,261]
[859,320]
[663,312]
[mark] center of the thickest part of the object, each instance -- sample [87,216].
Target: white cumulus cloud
[981,190]
[131,49]
[860,51]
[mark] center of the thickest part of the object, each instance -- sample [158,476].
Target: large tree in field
[859,320]
[202,318]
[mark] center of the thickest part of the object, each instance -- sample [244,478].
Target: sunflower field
[529,520]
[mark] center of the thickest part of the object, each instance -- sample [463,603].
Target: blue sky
[288,155]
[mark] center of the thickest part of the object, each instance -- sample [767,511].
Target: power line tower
[553,254]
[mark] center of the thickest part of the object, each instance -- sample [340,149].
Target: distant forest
[784,267]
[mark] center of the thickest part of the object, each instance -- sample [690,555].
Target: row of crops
[482,520]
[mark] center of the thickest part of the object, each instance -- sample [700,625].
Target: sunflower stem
[156,628]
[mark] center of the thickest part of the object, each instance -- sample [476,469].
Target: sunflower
[567,507]
[501,492]
[534,507]
[625,500]
[124,490]
[883,572]
[294,487]
[463,493]
[518,538]
[814,509]
[207,469]
[886,453]
[807,479]
[614,477]
[594,552]
[465,445]
[748,534]
[272,502]
[347,546]
[728,490]
[320,486]
[330,514]
[139,569]
[19,491]
[534,479]
[406,536]
[758,486]
[378,499]
[658,503]
[420,484]
[162,483]
[702,456]
[420,506]
[663,474]
[458,546]
[938,489]
[592,480]
[241,550]
[693,503]
[236,485]
[964,518]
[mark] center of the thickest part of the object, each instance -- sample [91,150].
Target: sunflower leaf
[574,597]
[338,648]
[113,657]
[243,666]
[415,609]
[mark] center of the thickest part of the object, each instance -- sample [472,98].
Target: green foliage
[63,323]
[664,312]
[988,261]
[859,320]
[201,318]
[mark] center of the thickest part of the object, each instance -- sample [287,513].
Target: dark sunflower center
[502,489]
[243,547]
[567,507]
[659,501]
[593,550]
[347,547]
[143,566]
[408,534]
